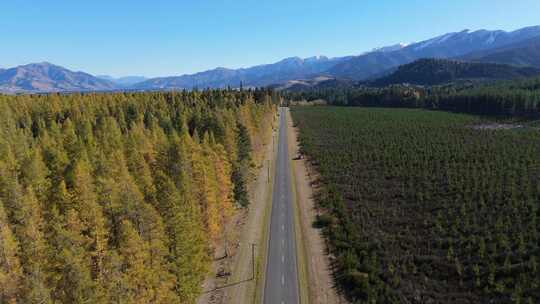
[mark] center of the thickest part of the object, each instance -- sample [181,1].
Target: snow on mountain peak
[436,40]
[491,38]
[390,48]
[316,58]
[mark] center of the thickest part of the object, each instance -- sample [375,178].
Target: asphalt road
[281,285]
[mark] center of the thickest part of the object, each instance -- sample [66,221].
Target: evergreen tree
[11,275]
[75,284]
[28,224]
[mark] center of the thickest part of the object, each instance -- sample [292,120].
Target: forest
[502,98]
[121,197]
[426,206]
[431,71]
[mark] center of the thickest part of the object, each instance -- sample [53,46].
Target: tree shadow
[227,286]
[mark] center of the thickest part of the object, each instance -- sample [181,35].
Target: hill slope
[524,53]
[439,71]
[46,77]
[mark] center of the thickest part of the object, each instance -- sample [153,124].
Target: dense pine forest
[503,98]
[431,71]
[425,206]
[119,198]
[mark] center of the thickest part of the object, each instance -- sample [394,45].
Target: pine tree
[205,177]
[224,183]
[160,280]
[135,287]
[11,275]
[184,225]
[29,231]
[91,215]
[242,166]
[75,283]
[34,173]
[140,169]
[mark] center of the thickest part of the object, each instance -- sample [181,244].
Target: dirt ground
[236,284]
[321,283]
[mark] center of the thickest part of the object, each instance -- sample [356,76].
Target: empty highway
[281,286]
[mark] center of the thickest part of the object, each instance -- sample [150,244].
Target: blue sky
[158,38]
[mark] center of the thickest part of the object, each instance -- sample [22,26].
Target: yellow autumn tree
[11,274]
[204,179]
[91,214]
[183,217]
[114,198]
[75,283]
[142,281]
[35,173]
[223,170]
[134,255]
[29,231]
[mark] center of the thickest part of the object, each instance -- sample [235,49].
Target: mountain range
[451,45]
[520,47]
[261,75]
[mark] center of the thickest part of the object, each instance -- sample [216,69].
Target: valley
[196,152]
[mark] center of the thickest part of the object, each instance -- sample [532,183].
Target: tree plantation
[426,207]
[119,198]
[503,98]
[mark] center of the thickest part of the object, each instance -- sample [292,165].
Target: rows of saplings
[423,208]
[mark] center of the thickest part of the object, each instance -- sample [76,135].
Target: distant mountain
[46,77]
[446,46]
[520,47]
[372,65]
[126,81]
[369,65]
[441,71]
[523,53]
[279,73]
[261,75]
